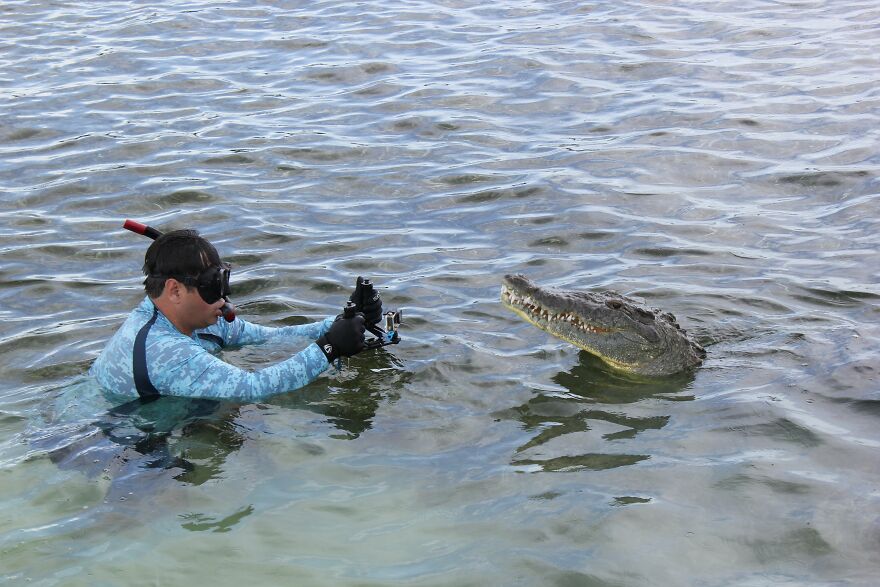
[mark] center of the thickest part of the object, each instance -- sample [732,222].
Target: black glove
[366,299]
[344,339]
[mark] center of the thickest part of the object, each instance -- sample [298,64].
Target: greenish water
[716,160]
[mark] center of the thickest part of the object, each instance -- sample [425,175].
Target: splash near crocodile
[617,329]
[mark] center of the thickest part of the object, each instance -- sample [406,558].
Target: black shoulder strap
[139,366]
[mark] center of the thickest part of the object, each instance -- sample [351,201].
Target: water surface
[716,160]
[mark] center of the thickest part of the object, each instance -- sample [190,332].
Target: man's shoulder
[163,336]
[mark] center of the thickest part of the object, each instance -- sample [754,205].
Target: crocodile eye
[614,304]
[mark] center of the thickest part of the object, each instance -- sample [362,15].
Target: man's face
[196,311]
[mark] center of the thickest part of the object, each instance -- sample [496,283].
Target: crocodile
[622,332]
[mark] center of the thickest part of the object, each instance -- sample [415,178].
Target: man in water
[165,346]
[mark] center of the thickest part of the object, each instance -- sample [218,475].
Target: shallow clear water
[715,159]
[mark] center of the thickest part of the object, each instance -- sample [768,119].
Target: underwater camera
[369,297]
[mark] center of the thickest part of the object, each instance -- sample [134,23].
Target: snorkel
[220,289]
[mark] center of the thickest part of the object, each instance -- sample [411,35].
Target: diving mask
[212,284]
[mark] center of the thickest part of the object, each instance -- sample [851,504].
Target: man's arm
[241,332]
[187,369]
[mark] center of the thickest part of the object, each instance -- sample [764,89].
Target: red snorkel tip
[147,231]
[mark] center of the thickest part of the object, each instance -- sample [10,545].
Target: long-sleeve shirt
[176,364]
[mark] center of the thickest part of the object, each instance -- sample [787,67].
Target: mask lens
[224,282]
[214,283]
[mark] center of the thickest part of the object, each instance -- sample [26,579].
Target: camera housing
[366,291]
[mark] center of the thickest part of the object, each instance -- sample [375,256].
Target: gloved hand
[345,338]
[366,299]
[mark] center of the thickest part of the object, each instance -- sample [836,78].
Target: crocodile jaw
[577,328]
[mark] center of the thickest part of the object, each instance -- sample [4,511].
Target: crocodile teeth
[534,308]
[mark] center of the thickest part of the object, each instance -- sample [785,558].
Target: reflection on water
[187,440]
[350,404]
[586,426]
[136,448]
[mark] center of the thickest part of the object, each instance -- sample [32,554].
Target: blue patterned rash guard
[148,356]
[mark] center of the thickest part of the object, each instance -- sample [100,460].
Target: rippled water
[715,159]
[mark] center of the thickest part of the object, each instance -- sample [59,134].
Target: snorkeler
[166,345]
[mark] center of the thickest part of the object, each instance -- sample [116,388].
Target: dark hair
[179,254]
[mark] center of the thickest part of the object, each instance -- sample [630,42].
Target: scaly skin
[620,331]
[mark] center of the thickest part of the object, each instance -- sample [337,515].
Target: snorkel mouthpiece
[228,311]
[222,277]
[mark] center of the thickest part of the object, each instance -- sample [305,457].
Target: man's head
[181,254]
[186,278]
